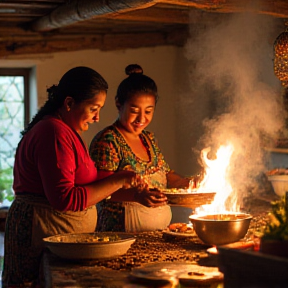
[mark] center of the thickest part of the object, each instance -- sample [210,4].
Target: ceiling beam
[109,42]
[276,8]
[79,10]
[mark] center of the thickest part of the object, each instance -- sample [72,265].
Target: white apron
[139,218]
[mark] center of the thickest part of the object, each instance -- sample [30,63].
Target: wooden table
[149,247]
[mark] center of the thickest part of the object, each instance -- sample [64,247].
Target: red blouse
[52,160]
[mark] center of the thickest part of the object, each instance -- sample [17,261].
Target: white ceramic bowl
[279,183]
[79,245]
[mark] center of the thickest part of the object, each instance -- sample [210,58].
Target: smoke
[231,75]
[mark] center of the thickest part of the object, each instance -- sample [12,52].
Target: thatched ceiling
[44,26]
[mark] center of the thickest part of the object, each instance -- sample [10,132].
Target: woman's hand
[130,179]
[120,186]
[195,181]
[176,181]
[150,198]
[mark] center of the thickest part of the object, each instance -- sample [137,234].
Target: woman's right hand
[150,198]
[129,179]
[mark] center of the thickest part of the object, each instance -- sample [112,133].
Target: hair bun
[133,69]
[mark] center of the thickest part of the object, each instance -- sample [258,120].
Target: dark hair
[80,83]
[135,83]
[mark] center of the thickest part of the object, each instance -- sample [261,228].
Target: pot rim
[199,217]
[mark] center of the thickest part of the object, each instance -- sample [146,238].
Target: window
[14,116]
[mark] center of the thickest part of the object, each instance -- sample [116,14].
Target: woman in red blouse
[54,177]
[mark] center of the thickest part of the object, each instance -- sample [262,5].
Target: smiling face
[137,113]
[79,116]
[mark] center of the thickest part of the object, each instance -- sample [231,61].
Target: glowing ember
[216,179]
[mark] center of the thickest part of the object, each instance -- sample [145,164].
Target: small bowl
[279,184]
[221,229]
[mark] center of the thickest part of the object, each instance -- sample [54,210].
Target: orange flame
[216,179]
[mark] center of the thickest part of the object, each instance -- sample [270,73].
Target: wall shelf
[277,150]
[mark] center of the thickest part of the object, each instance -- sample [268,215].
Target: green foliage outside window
[6,181]
[11,124]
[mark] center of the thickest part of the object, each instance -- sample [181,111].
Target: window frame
[25,72]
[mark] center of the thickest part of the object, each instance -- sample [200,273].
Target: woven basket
[183,198]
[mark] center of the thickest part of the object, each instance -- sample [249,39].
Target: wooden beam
[155,14]
[80,10]
[28,5]
[276,8]
[108,42]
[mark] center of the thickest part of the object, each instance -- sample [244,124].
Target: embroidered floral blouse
[110,152]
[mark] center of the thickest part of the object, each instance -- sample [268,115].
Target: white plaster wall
[163,64]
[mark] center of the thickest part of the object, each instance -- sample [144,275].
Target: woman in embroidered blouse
[126,145]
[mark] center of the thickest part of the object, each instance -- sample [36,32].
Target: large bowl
[89,246]
[279,183]
[221,229]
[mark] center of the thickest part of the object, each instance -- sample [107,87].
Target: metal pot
[221,229]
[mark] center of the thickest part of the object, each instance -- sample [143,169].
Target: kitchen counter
[149,247]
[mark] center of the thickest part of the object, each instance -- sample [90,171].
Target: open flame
[216,179]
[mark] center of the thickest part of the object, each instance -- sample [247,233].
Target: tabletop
[150,247]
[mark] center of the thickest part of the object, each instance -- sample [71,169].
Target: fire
[216,179]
